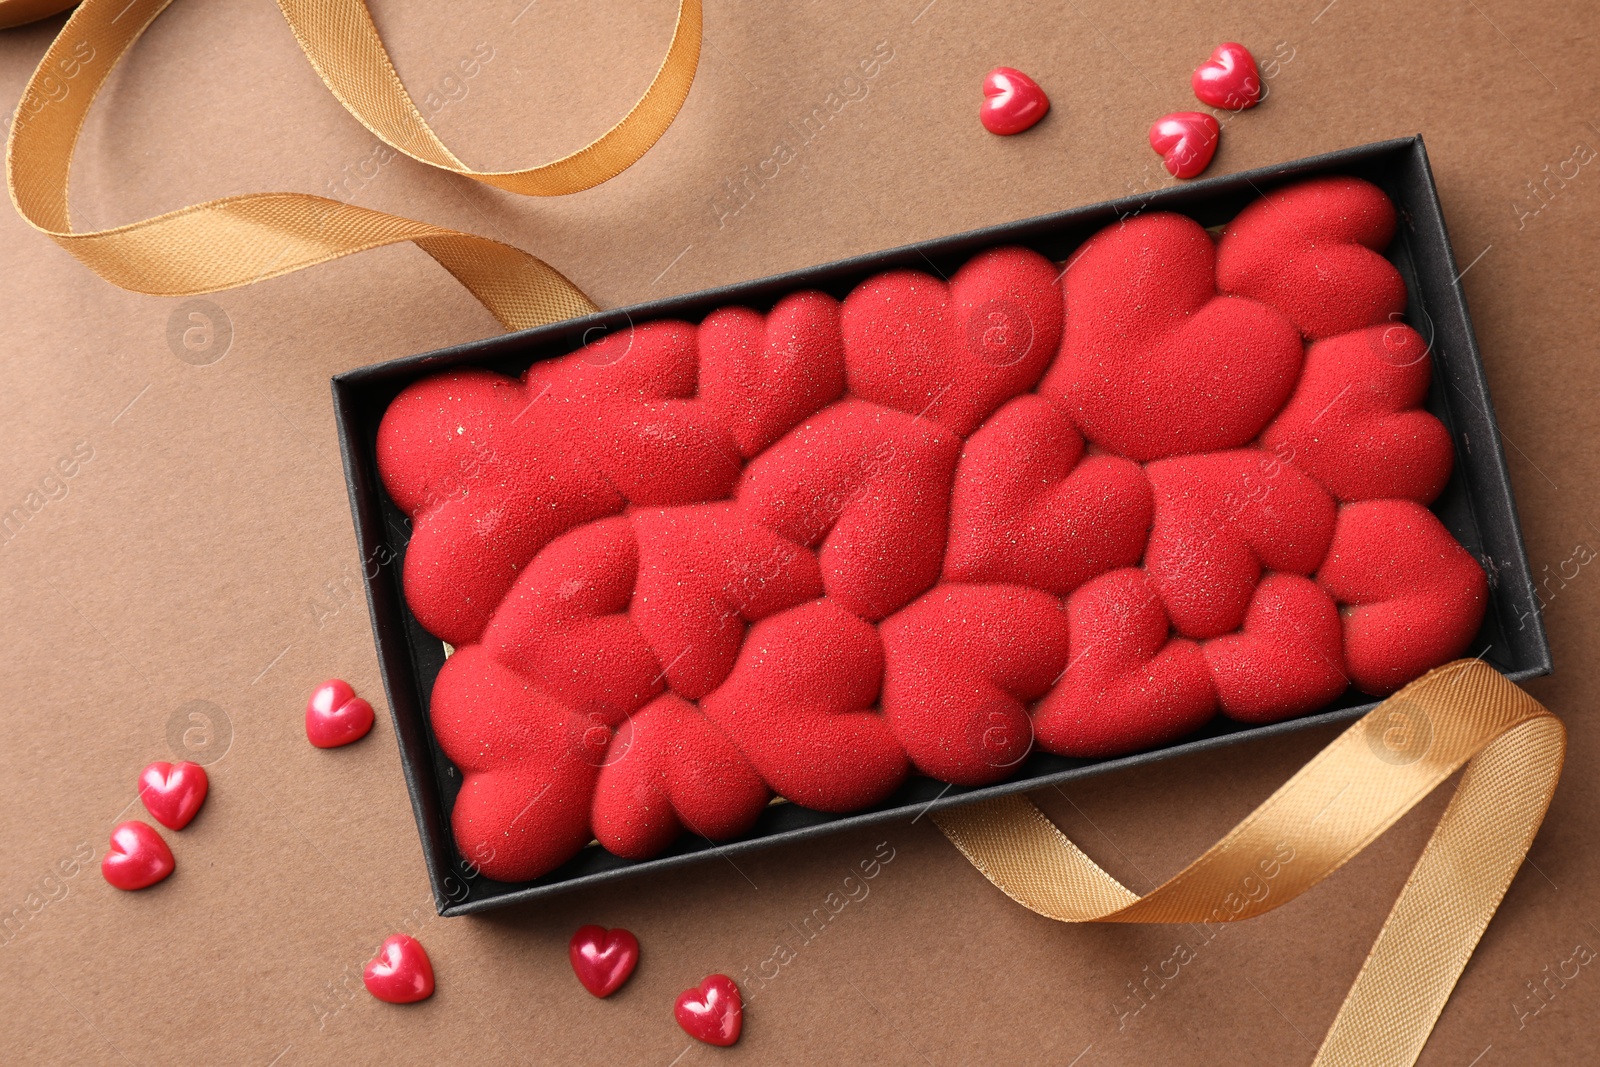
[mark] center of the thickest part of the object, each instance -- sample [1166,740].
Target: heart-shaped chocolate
[478,495]
[1012,101]
[953,353]
[529,765]
[1314,251]
[860,483]
[761,374]
[1413,597]
[1186,141]
[565,624]
[801,551]
[800,703]
[1128,683]
[712,1011]
[1355,422]
[173,793]
[1229,79]
[530,469]
[964,665]
[1028,509]
[401,972]
[1223,518]
[137,858]
[603,959]
[1153,361]
[1287,660]
[670,769]
[705,573]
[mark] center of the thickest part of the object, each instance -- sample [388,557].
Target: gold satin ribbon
[242,239]
[1354,790]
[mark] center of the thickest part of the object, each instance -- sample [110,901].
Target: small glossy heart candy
[1012,101]
[336,716]
[172,793]
[603,959]
[400,973]
[712,1011]
[138,858]
[1229,79]
[1186,140]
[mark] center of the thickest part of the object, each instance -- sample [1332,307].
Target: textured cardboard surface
[203,551]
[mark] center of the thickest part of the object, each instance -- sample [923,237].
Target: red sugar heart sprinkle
[173,793]
[603,959]
[1186,140]
[400,973]
[137,859]
[1229,79]
[712,1011]
[336,716]
[1012,102]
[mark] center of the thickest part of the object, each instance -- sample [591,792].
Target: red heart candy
[1012,101]
[1229,79]
[172,794]
[138,858]
[400,973]
[712,1012]
[1186,140]
[603,959]
[336,716]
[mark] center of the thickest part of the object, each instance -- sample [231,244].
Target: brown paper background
[205,551]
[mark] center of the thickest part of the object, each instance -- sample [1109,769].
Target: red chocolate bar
[928,528]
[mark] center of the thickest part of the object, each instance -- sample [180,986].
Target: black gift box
[1476,506]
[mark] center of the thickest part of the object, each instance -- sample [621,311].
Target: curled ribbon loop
[238,240]
[1355,789]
